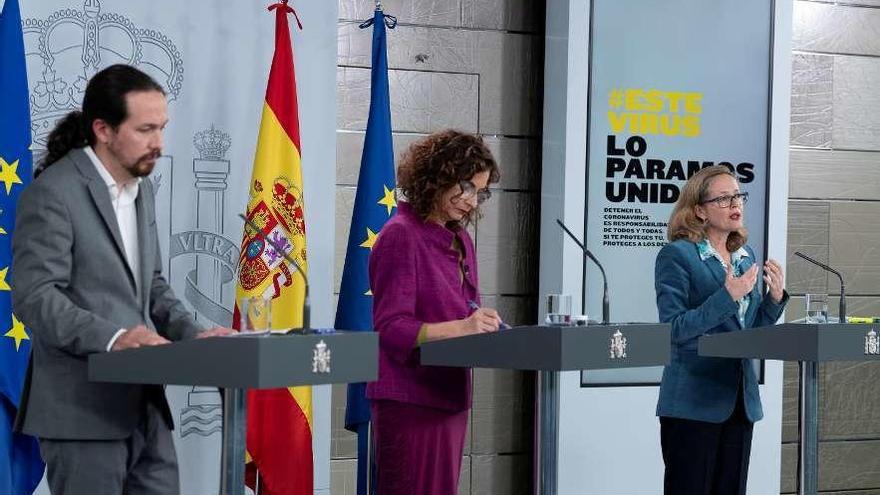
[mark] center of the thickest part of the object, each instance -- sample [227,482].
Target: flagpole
[370,454]
[376,181]
[281,441]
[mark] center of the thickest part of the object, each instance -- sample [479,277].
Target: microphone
[606,311]
[842,308]
[279,249]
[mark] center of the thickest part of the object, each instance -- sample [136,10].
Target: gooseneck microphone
[842,308]
[606,311]
[283,252]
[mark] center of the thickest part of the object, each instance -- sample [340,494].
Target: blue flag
[373,205]
[20,465]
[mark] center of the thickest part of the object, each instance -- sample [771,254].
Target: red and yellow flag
[279,421]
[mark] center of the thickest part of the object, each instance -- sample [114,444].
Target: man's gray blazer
[74,290]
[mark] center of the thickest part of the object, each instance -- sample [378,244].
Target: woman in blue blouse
[705,280]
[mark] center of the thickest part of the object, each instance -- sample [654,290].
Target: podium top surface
[245,361]
[795,342]
[547,348]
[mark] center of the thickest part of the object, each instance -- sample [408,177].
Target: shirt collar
[108,179]
[707,251]
[433,231]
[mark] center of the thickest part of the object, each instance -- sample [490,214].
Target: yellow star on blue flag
[9,174]
[3,284]
[17,333]
[370,240]
[388,199]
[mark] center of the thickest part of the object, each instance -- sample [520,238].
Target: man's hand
[216,332]
[139,336]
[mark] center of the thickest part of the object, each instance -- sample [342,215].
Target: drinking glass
[817,308]
[558,310]
[256,314]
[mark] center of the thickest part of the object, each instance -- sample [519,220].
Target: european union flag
[20,465]
[373,205]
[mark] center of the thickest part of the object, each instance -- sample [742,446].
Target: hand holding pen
[487,314]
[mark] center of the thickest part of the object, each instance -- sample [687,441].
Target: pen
[474,306]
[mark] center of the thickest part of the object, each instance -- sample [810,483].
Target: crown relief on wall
[64,50]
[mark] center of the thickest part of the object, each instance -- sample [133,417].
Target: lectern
[808,344]
[238,363]
[550,350]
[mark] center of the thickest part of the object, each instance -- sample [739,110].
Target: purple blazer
[415,279]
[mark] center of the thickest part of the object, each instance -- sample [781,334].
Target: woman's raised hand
[738,287]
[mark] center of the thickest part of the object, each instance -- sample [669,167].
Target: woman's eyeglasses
[728,200]
[469,190]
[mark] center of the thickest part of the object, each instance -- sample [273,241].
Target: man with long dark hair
[88,280]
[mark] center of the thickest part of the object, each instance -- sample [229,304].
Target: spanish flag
[279,421]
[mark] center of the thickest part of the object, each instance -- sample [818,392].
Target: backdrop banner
[675,86]
[213,60]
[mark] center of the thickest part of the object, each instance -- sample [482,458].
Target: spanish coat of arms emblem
[617,345]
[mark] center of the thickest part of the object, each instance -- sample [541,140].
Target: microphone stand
[547,390]
[808,403]
[279,249]
[606,305]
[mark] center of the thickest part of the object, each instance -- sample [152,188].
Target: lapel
[714,266]
[755,301]
[145,220]
[468,262]
[101,198]
[746,264]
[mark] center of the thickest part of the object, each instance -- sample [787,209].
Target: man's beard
[144,165]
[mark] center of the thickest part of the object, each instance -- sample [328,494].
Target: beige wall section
[474,65]
[834,215]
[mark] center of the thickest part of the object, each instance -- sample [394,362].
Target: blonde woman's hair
[684,223]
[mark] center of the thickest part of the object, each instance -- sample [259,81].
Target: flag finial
[287,9]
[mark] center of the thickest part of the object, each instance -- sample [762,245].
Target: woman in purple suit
[423,276]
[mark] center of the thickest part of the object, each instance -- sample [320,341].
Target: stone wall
[834,216]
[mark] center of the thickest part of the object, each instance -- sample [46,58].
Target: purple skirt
[418,449]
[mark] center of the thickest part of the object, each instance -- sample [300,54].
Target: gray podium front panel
[245,361]
[792,342]
[552,348]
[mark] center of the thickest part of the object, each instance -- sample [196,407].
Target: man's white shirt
[123,200]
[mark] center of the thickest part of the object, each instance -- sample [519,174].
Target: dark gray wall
[834,216]
[474,65]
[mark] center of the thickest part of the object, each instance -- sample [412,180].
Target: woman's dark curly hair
[440,161]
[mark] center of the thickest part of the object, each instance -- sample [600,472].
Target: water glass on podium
[817,308]
[256,314]
[558,310]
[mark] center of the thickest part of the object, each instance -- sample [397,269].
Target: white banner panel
[674,86]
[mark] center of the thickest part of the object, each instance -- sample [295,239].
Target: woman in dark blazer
[705,280]
[423,275]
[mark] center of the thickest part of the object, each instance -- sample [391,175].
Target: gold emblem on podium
[617,345]
[872,343]
[321,358]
